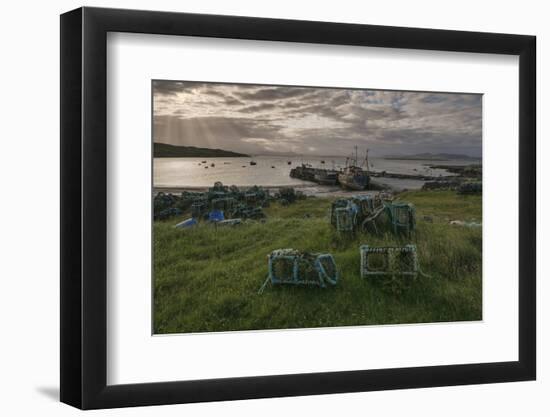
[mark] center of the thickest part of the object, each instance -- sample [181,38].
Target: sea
[273,171]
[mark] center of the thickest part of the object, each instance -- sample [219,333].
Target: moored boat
[353,178]
[326,177]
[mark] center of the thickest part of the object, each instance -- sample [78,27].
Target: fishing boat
[252,163]
[353,177]
[326,177]
[303,172]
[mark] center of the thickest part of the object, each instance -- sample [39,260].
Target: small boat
[272,166]
[212,165]
[205,167]
[322,162]
[289,162]
[204,162]
[252,163]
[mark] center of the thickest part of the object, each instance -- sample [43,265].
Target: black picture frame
[84,207]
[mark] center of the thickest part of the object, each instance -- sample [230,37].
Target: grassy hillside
[163,150]
[206,279]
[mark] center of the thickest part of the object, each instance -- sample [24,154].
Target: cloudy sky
[261,119]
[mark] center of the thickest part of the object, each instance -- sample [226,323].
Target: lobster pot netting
[289,266]
[225,204]
[329,267]
[282,268]
[345,219]
[341,203]
[388,261]
[403,217]
[198,208]
[366,203]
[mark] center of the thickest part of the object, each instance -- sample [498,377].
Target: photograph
[297,207]
[282,204]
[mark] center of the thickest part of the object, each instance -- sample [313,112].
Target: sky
[263,119]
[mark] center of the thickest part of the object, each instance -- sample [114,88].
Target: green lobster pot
[388,261]
[290,266]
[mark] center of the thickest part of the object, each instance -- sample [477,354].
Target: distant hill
[163,150]
[433,157]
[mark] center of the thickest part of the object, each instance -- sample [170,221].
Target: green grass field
[206,279]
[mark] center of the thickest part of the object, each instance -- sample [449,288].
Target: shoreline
[309,191]
[313,190]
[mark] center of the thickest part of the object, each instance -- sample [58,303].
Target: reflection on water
[274,170]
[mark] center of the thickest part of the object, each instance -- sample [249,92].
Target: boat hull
[326,179]
[353,183]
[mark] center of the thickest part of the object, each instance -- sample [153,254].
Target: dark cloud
[167,87]
[270,93]
[258,107]
[324,121]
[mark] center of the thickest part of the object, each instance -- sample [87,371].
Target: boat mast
[367,159]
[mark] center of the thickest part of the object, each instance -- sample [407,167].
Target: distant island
[433,157]
[163,150]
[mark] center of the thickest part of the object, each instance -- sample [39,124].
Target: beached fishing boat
[353,177]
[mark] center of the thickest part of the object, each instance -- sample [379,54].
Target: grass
[207,279]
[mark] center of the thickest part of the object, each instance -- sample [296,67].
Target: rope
[261,290]
[420,272]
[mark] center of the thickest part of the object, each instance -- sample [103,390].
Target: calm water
[273,171]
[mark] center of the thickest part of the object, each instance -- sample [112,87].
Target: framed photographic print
[257,208]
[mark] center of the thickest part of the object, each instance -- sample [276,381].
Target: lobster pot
[344,215]
[366,203]
[388,261]
[341,203]
[470,188]
[403,217]
[198,208]
[289,266]
[251,198]
[345,219]
[225,204]
[218,188]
